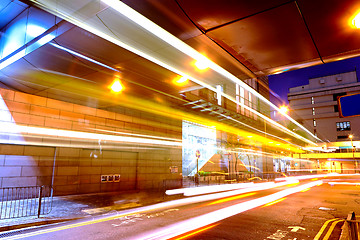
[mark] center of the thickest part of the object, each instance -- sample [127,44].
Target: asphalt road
[295,215]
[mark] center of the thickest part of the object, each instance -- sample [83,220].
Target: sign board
[174,169]
[110,178]
[197,154]
[349,105]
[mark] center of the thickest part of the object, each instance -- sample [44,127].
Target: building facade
[316,106]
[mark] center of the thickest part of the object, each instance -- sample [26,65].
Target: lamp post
[352,149]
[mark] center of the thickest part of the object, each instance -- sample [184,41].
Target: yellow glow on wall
[201,64]
[180,81]
[354,21]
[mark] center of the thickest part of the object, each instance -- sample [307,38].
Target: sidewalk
[73,207]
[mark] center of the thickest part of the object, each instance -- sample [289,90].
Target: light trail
[304,177]
[207,189]
[274,202]
[158,206]
[68,134]
[196,232]
[177,44]
[344,183]
[213,217]
[232,198]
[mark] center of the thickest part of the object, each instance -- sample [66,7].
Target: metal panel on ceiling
[9,9]
[328,22]
[94,47]
[269,39]
[208,14]
[166,14]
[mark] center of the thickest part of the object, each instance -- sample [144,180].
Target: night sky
[281,83]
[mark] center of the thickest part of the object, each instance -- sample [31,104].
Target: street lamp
[352,148]
[283,110]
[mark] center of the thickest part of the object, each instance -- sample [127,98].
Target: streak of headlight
[174,203]
[83,56]
[196,232]
[305,177]
[305,190]
[293,184]
[314,179]
[317,176]
[274,202]
[10,128]
[208,189]
[134,134]
[169,38]
[213,217]
[186,49]
[344,183]
[231,198]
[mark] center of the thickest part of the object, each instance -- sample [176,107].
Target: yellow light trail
[196,232]
[231,198]
[87,89]
[305,190]
[274,202]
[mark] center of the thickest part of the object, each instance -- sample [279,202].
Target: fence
[25,201]
[353,226]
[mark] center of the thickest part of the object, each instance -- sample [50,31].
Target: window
[342,137]
[237,97]
[312,100]
[314,122]
[242,99]
[219,90]
[336,108]
[337,95]
[313,111]
[343,126]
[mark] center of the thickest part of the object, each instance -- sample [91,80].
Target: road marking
[318,235]
[331,229]
[295,229]
[191,224]
[132,218]
[278,235]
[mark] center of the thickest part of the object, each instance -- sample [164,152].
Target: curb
[34,224]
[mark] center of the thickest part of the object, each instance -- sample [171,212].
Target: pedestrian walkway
[73,207]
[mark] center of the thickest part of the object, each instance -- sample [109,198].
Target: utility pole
[352,149]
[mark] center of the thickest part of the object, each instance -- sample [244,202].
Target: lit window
[343,126]
[312,100]
[250,104]
[314,122]
[237,97]
[219,90]
[313,111]
[242,99]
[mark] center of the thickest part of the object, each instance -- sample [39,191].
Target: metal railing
[25,201]
[353,226]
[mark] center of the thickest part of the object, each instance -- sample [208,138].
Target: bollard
[40,199]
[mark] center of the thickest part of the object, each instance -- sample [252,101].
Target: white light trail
[176,43]
[213,217]
[344,183]
[18,129]
[158,206]
[208,189]
[186,49]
